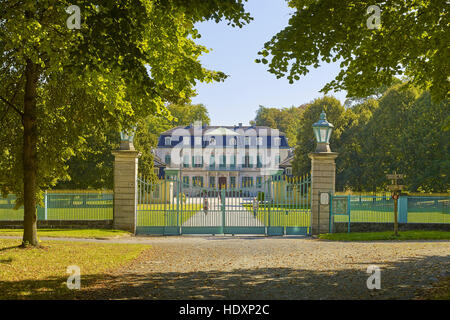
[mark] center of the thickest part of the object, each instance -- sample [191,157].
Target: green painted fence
[380,209]
[87,205]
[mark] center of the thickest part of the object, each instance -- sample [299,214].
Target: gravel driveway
[275,268]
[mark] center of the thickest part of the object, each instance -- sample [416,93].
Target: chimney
[240,124]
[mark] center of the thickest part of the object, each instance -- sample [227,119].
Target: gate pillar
[323,175]
[125,189]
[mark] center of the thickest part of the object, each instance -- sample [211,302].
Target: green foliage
[411,41]
[402,131]
[92,168]
[129,59]
[286,120]
[306,143]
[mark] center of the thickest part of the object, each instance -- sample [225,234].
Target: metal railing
[81,205]
[380,209]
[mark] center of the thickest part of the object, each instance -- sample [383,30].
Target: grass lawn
[278,217]
[387,235]
[388,216]
[85,213]
[157,215]
[69,233]
[40,273]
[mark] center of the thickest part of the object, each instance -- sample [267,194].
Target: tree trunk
[30,155]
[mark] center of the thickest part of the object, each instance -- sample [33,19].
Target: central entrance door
[222,183]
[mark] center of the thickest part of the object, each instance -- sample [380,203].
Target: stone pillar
[323,176]
[125,189]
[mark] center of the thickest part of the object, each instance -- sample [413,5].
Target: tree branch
[11,105]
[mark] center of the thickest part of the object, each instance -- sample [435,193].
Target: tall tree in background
[95,77]
[92,168]
[306,142]
[286,120]
[412,40]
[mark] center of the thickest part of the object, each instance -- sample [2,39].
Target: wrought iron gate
[280,205]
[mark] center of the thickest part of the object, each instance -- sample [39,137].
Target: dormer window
[167,141]
[212,141]
[186,141]
[277,142]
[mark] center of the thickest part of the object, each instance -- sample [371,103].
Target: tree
[185,114]
[92,168]
[286,120]
[129,58]
[412,40]
[306,143]
[405,134]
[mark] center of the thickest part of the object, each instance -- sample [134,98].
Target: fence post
[403,209]
[125,189]
[323,172]
[45,204]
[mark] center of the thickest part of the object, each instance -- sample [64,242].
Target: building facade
[228,157]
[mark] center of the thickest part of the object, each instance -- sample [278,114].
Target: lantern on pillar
[126,139]
[322,131]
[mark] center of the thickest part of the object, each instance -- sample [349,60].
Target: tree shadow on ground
[399,280]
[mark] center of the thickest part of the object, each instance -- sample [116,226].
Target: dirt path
[274,268]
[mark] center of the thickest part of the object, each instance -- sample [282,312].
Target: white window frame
[167,141]
[186,140]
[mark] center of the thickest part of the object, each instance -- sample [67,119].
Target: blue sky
[234,50]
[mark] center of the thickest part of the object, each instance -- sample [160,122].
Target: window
[233,161]
[232,142]
[212,161]
[260,141]
[212,182]
[185,161]
[289,171]
[277,160]
[186,141]
[247,141]
[247,162]
[185,181]
[247,182]
[277,142]
[167,159]
[198,161]
[197,181]
[232,182]
[258,182]
[258,162]
[223,161]
[167,141]
[212,141]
